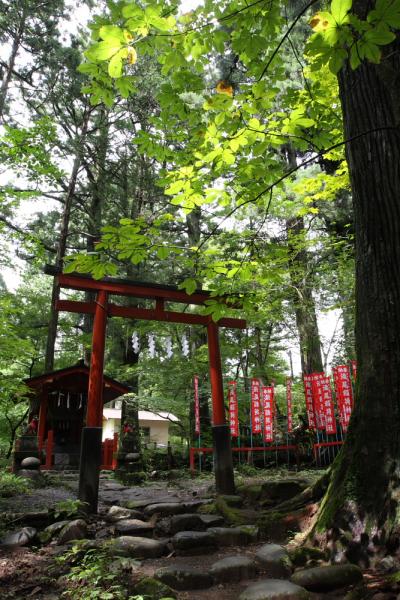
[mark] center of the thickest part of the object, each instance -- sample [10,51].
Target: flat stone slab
[212,520]
[111,486]
[233,568]
[186,522]
[234,536]
[18,538]
[275,560]
[116,513]
[165,509]
[134,527]
[274,589]
[136,547]
[323,579]
[193,542]
[184,578]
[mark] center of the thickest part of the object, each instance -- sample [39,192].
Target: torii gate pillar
[223,466]
[90,460]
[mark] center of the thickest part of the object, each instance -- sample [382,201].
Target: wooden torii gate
[101,308]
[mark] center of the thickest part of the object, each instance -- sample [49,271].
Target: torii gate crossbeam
[101,309]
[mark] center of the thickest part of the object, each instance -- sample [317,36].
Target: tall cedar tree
[364,492]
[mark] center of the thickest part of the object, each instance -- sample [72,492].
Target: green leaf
[103,50]
[88,68]
[305,122]
[372,52]
[355,59]
[163,252]
[132,10]
[125,86]
[115,66]
[111,32]
[380,36]
[337,60]
[387,12]
[175,187]
[189,285]
[228,157]
[339,10]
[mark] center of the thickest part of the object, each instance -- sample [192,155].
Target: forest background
[193,170]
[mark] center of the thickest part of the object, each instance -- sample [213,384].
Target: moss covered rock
[301,555]
[324,579]
[153,589]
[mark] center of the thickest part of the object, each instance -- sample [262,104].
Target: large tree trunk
[62,245]
[8,73]
[303,300]
[364,492]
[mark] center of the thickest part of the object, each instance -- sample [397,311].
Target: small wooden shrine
[59,404]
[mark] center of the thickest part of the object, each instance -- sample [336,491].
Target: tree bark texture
[62,245]
[364,493]
[303,300]
[11,64]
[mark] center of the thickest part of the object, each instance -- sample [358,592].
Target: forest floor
[34,571]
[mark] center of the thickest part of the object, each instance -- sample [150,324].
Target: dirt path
[32,572]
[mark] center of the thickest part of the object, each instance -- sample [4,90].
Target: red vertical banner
[307,382]
[289,405]
[318,402]
[327,405]
[268,410]
[255,406]
[196,405]
[344,393]
[233,409]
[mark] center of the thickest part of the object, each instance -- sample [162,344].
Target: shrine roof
[75,379]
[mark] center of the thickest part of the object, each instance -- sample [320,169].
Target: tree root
[310,495]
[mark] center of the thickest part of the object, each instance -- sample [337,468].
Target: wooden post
[94,415]
[223,465]
[90,461]
[115,450]
[49,449]
[42,421]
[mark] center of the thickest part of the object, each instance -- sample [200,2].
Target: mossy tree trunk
[360,511]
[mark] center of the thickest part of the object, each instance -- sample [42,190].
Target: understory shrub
[12,485]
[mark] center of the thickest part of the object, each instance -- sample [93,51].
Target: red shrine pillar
[42,419]
[94,415]
[223,466]
[90,460]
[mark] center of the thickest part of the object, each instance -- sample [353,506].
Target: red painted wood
[327,444]
[137,290]
[39,382]
[94,416]
[49,449]
[107,448]
[42,420]
[193,451]
[115,450]
[217,388]
[149,314]
[76,307]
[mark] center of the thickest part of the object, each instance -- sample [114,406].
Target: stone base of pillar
[223,465]
[89,468]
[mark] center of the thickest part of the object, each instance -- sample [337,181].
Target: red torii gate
[101,308]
